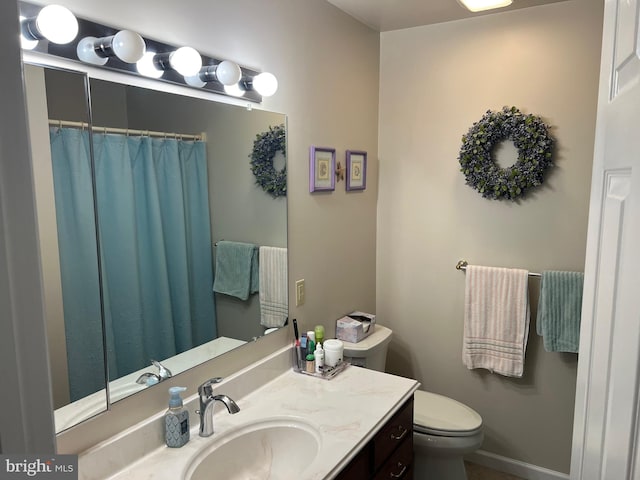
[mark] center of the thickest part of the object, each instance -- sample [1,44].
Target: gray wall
[544,60]
[26,420]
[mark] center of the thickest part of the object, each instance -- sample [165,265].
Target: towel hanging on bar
[496,319]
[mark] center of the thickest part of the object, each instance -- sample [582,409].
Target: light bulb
[26,43]
[146,66]
[265,84]
[57,24]
[186,61]
[86,51]
[195,80]
[233,90]
[128,46]
[228,73]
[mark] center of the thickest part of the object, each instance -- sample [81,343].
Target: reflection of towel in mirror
[559,310]
[236,269]
[274,306]
[496,319]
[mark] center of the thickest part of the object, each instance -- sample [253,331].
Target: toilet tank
[370,352]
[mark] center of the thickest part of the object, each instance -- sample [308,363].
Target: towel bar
[462,265]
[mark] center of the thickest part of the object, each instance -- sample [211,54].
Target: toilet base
[441,458]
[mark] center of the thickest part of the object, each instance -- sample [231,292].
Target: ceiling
[385,15]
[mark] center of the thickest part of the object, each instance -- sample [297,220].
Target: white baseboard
[514,467]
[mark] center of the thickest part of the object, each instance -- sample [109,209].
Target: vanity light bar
[157,60]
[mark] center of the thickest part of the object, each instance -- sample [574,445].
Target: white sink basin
[275,449]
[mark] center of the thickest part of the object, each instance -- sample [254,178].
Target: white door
[606,437]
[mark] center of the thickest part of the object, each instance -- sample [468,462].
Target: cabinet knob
[400,474]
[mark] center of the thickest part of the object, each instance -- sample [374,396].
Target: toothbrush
[298,351]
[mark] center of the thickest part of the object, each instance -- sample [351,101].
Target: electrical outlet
[300,292]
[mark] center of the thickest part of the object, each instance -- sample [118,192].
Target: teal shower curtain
[155,242]
[75,218]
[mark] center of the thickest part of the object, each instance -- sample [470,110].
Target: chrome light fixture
[227,73]
[135,55]
[126,45]
[480,5]
[54,22]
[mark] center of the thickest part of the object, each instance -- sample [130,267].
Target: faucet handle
[205,389]
[163,372]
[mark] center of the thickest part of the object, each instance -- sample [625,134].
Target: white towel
[274,306]
[496,319]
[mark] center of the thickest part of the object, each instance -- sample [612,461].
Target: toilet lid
[439,415]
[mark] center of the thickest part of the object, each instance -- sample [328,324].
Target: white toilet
[444,430]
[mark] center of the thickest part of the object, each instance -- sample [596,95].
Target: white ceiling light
[480,5]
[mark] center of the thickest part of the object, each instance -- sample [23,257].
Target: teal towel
[237,272]
[559,310]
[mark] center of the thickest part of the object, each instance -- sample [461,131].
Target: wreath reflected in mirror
[531,138]
[265,148]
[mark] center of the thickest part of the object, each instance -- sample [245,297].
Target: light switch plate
[300,292]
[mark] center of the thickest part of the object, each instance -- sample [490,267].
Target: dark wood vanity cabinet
[389,455]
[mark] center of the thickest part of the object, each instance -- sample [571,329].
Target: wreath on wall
[265,147]
[535,153]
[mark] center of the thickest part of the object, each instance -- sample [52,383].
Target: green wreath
[265,147]
[535,151]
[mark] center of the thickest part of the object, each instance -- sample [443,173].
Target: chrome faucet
[163,374]
[207,401]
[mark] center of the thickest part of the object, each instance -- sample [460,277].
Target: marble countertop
[347,411]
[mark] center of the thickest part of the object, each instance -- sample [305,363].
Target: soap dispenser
[176,420]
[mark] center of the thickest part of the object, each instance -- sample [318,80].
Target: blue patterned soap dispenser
[176,420]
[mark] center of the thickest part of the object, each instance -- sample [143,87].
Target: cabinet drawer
[400,464]
[399,428]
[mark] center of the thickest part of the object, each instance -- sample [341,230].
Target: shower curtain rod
[462,265]
[128,131]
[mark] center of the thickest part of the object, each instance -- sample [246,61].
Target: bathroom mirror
[164,201]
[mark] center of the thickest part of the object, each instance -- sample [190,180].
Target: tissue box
[355,327]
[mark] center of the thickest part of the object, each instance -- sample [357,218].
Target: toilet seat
[435,414]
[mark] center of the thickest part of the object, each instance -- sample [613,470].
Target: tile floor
[478,472]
